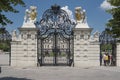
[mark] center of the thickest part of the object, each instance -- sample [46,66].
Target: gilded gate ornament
[30,14]
[80,14]
[33,13]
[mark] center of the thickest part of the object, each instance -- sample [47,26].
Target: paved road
[60,73]
[57,73]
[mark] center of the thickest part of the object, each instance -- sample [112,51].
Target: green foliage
[8,6]
[2,31]
[106,47]
[5,46]
[114,2]
[51,54]
[114,23]
[63,54]
[4,39]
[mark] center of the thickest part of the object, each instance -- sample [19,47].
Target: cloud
[106,5]
[70,14]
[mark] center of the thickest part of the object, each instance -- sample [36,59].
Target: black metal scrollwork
[55,20]
[55,24]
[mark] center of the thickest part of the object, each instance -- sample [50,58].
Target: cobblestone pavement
[60,73]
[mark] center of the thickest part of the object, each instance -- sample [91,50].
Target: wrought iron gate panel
[108,42]
[55,26]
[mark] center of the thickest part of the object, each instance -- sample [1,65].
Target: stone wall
[24,48]
[86,49]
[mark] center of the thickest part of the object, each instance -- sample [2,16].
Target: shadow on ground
[13,78]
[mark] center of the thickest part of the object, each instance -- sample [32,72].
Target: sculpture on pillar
[80,15]
[26,18]
[33,12]
[96,34]
[30,14]
[14,35]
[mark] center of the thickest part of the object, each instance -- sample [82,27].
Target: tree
[8,6]
[114,23]
[5,46]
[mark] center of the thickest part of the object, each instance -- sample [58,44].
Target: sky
[95,12]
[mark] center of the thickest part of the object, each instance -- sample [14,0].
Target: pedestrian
[105,58]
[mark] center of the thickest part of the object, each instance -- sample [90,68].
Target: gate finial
[55,8]
[80,15]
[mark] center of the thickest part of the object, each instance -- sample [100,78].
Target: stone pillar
[86,51]
[29,42]
[24,48]
[81,45]
[118,54]
[24,45]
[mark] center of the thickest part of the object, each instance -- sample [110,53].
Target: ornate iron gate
[108,47]
[55,37]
